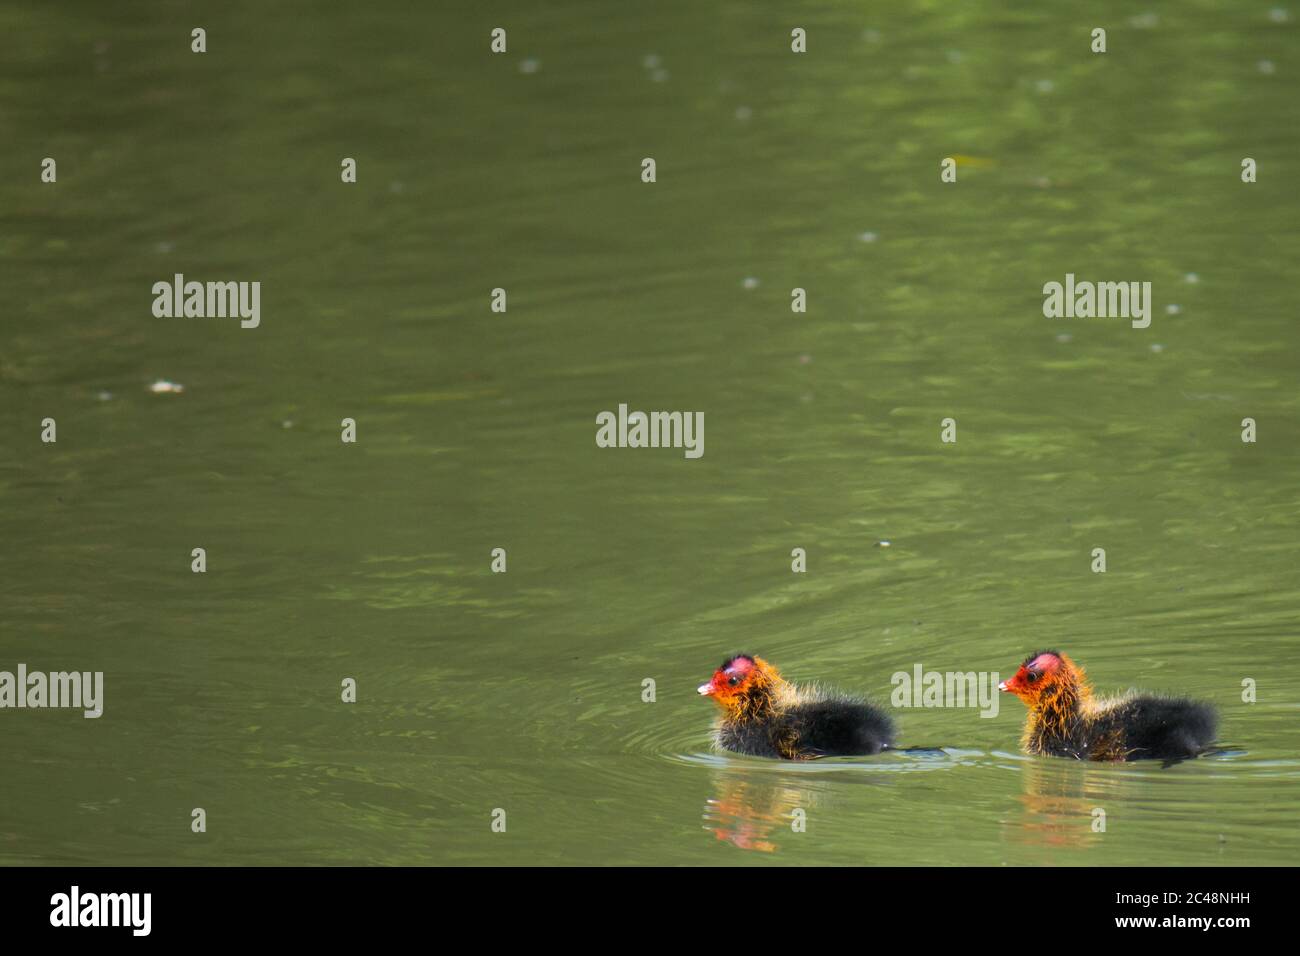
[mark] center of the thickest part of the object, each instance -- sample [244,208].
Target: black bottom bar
[337,905]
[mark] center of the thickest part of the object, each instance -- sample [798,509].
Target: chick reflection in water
[755,811]
[1064,804]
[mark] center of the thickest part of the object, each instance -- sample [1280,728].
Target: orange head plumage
[743,685]
[1045,676]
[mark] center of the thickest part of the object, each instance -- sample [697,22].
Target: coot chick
[766,716]
[1065,720]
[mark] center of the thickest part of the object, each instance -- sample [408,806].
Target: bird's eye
[734,681]
[1032,677]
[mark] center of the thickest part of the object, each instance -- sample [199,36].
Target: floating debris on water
[868,237]
[1157,347]
[884,543]
[1144,21]
[529,65]
[1278,15]
[1173,309]
[1191,278]
[1064,337]
[749,282]
[104,395]
[743,113]
[162,387]
[1044,86]
[1267,67]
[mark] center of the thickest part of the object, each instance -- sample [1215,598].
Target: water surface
[523,691]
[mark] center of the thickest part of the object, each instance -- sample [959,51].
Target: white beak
[705,689]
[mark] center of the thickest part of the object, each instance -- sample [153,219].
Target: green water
[523,691]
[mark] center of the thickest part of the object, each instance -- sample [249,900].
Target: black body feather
[1143,727]
[831,727]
